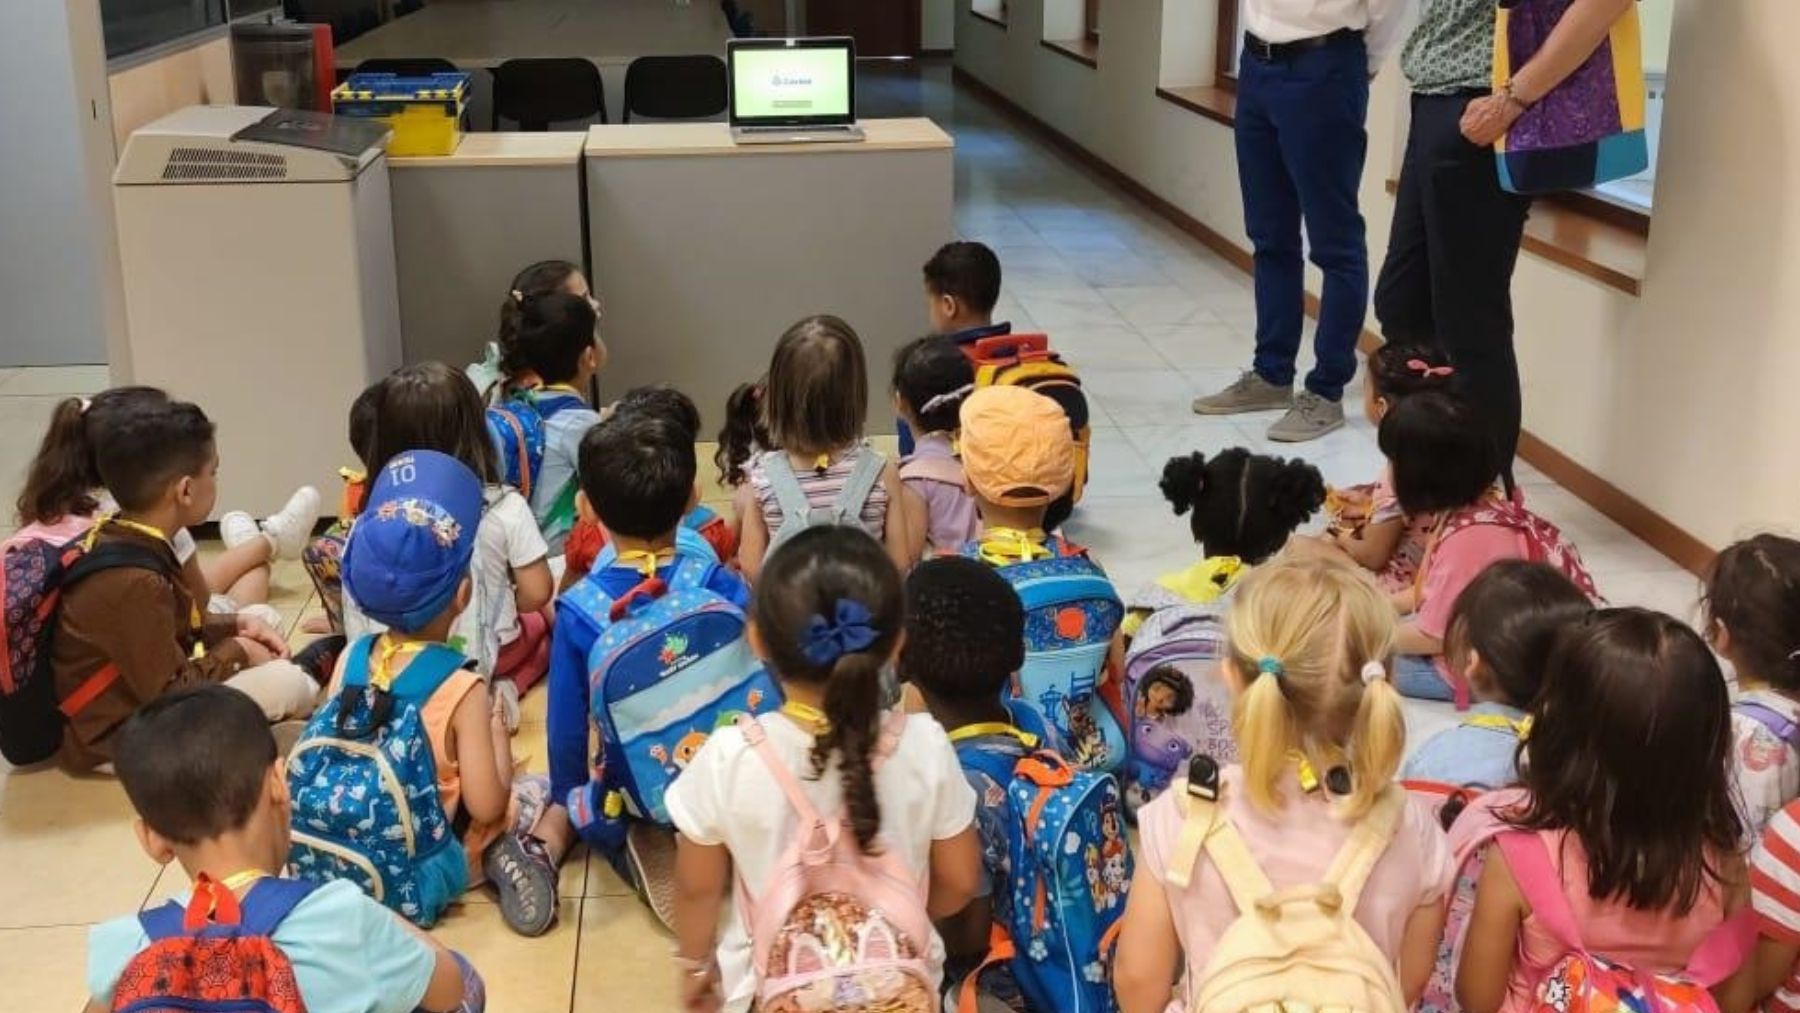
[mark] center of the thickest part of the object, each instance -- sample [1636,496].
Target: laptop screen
[799,82]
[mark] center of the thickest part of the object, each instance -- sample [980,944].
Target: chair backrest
[675,87]
[407,66]
[539,92]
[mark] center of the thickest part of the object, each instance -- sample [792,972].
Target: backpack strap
[785,485]
[790,786]
[1776,722]
[934,469]
[270,900]
[1205,827]
[1354,863]
[510,426]
[847,508]
[1723,950]
[427,671]
[1529,859]
[104,556]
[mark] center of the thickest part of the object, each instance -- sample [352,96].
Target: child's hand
[253,629]
[700,991]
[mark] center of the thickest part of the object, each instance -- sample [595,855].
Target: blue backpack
[1070,866]
[1071,614]
[672,665]
[516,427]
[365,790]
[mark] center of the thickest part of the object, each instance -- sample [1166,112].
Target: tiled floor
[1151,319]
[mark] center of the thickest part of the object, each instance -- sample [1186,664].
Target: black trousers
[1447,281]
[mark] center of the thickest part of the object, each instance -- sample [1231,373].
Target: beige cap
[1017,449]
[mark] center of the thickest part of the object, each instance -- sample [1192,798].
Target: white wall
[938,24]
[1683,397]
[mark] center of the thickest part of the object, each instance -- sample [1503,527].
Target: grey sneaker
[1251,393]
[1311,417]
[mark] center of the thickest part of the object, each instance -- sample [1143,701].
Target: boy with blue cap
[406,565]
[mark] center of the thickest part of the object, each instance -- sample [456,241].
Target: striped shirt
[822,488]
[1775,896]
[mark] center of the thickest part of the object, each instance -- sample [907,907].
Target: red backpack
[217,954]
[33,575]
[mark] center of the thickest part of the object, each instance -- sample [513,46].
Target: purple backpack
[1178,704]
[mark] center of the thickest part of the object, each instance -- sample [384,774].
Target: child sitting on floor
[541,278]
[1500,635]
[324,555]
[201,770]
[932,378]
[550,365]
[407,567]
[1753,621]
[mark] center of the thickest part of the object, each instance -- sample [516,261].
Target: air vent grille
[223,164]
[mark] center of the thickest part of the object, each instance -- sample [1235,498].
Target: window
[1091,16]
[1072,29]
[1231,43]
[991,11]
[130,26]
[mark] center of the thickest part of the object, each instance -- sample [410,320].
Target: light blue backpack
[672,665]
[1071,868]
[365,790]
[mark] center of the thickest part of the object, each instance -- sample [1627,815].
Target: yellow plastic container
[425,113]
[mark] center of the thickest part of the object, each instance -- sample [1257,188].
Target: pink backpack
[1477,826]
[1543,541]
[836,929]
[1584,982]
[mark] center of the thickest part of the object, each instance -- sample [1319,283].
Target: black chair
[538,92]
[407,66]
[675,87]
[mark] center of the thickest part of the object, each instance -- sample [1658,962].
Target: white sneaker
[237,527]
[508,692]
[267,613]
[289,530]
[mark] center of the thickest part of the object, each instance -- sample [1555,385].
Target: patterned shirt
[1452,49]
[1775,897]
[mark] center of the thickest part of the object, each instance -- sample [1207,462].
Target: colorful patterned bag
[1584,982]
[217,954]
[836,929]
[1587,130]
[1180,707]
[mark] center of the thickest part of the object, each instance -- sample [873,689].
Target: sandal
[525,878]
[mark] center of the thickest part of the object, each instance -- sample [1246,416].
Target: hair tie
[1794,655]
[1427,370]
[1271,665]
[1373,672]
[947,398]
[847,632]
[518,296]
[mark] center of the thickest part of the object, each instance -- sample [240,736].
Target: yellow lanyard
[980,728]
[647,560]
[1003,546]
[1501,723]
[381,672]
[1309,778]
[806,714]
[561,388]
[238,880]
[194,618]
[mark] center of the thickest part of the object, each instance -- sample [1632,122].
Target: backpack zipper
[343,854]
[390,784]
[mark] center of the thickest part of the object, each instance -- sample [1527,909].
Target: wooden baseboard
[936,54]
[1660,533]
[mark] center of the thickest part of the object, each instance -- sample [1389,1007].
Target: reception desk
[705,251]
[464,224]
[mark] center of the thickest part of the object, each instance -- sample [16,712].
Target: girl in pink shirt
[1630,805]
[932,378]
[1321,732]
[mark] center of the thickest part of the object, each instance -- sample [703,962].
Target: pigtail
[1296,492]
[1377,740]
[1184,481]
[1266,734]
[512,317]
[853,716]
[62,477]
[743,431]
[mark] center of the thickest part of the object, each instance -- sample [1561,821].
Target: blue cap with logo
[410,549]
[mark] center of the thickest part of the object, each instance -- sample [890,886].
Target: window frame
[1226,47]
[1091,21]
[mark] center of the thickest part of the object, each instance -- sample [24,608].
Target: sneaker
[290,529]
[1250,393]
[267,613]
[319,658]
[507,692]
[1311,417]
[525,878]
[237,527]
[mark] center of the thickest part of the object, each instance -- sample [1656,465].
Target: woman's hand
[1486,120]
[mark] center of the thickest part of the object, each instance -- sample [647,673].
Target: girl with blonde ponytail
[1320,735]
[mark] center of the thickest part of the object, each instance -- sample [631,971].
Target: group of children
[889,714]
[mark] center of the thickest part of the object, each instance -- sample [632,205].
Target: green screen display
[785,83]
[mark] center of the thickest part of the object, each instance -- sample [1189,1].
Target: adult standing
[1447,280]
[1302,107]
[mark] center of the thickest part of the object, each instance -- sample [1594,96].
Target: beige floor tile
[602,881]
[523,975]
[624,961]
[535,705]
[70,849]
[43,970]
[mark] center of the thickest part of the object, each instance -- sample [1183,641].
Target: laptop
[793,91]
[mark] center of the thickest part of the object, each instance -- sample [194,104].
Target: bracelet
[1512,98]
[691,968]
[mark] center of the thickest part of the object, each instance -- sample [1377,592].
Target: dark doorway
[880,27]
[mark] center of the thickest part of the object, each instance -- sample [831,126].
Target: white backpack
[1298,950]
[836,929]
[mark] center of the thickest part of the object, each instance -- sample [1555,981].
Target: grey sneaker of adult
[1311,417]
[1250,393]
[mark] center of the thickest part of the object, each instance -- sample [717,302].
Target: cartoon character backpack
[217,954]
[1179,706]
[1472,819]
[672,665]
[798,513]
[1025,360]
[365,789]
[1071,614]
[836,929]
[516,426]
[1070,866]
[1299,948]
[1586,982]
[34,573]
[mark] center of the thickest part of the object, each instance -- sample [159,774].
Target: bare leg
[225,570]
[555,831]
[252,588]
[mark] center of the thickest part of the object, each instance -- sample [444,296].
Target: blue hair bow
[847,632]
